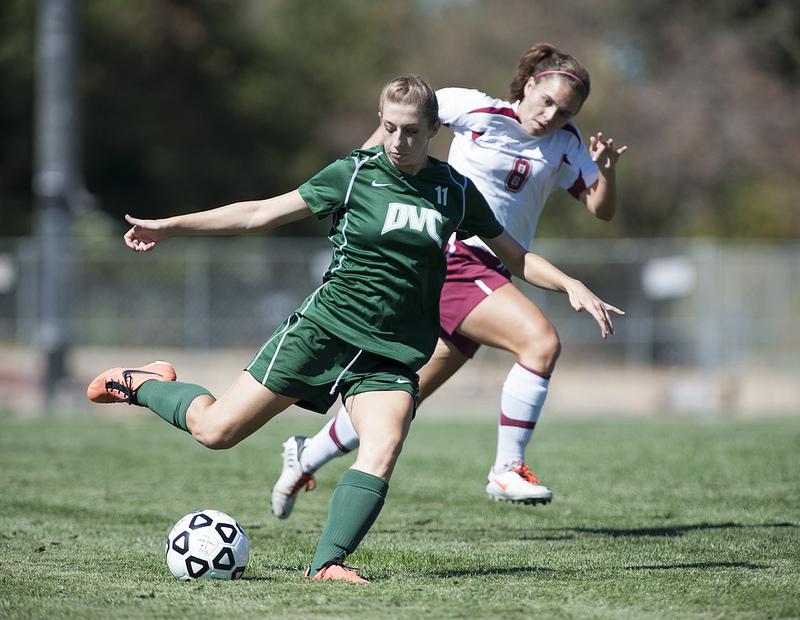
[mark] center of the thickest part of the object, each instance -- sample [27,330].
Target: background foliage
[192,103]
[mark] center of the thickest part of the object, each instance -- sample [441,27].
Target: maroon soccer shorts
[472,275]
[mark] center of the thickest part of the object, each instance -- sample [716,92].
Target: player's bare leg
[244,408]
[508,320]
[446,361]
[382,420]
[302,456]
[215,423]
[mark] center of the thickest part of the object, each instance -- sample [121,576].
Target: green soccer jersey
[381,289]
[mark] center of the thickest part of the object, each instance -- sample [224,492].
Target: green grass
[652,518]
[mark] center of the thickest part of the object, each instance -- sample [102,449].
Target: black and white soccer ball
[207,544]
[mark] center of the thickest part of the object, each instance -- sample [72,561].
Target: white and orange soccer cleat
[292,478]
[119,385]
[519,484]
[337,572]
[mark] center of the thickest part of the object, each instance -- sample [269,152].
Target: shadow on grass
[551,534]
[485,572]
[533,570]
[446,574]
[699,565]
[667,532]
[476,534]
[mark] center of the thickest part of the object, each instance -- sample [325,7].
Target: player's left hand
[581,298]
[603,151]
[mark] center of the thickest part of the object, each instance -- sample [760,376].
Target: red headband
[567,73]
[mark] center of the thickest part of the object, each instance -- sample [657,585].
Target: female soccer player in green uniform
[367,329]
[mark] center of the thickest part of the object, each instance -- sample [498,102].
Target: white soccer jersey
[514,170]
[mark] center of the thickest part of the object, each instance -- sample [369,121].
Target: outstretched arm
[237,218]
[601,197]
[540,272]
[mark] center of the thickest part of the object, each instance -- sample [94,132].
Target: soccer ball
[207,544]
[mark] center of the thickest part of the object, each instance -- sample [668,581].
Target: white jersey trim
[340,248]
[289,328]
[463,187]
[346,368]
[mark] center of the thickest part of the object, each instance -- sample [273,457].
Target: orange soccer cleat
[337,572]
[119,385]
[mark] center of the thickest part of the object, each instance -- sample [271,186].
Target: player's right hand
[144,234]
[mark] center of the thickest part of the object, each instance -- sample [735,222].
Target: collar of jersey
[434,166]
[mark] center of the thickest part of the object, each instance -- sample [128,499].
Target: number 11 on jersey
[441,195]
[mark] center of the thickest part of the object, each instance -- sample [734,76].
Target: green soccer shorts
[302,360]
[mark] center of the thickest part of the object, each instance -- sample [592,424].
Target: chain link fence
[692,303]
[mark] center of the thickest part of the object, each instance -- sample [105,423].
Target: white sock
[336,438]
[521,403]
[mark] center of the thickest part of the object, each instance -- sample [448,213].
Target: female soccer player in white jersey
[367,329]
[517,152]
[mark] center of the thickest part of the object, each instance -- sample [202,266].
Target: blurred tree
[711,116]
[16,115]
[192,103]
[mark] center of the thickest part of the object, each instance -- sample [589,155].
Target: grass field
[652,518]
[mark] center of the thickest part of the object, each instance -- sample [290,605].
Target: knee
[541,345]
[551,343]
[215,437]
[387,449]
[209,426]
[379,457]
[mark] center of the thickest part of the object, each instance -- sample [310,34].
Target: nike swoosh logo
[376,184]
[140,372]
[500,484]
[399,380]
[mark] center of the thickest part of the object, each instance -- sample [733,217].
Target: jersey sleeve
[325,192]
[479,219]
[455,103]
[579,171]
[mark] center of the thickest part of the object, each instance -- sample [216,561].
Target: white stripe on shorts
[482,285]
[277,350]
[286,325]
[346,368]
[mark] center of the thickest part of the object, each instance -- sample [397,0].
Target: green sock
[169,399]
[355,504]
